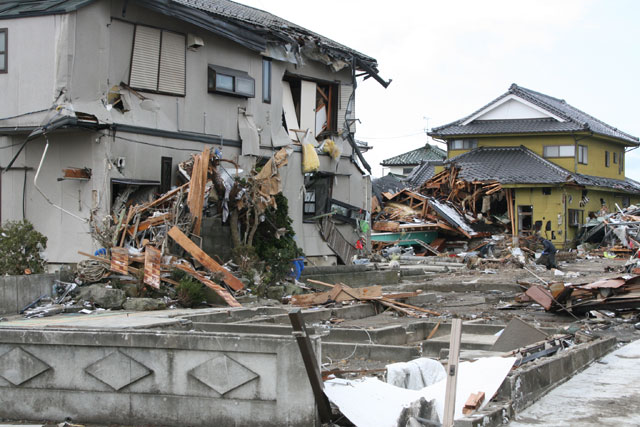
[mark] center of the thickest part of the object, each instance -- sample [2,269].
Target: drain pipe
[35,184]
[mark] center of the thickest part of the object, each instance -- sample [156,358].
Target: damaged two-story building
[535,161]
[102,98]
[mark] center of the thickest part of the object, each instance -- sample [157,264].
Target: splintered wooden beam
[204,259]
[226,296]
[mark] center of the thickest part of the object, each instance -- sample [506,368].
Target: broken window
[346,212]
[318,188]
[266,80]
[463,144]
[525,219]
[546,191]
[230,82]
[575,217]
[158,61]
[582,154]
[311,105]
[166,164]
[559,151]
[4,46]
[607,162]
[125,192]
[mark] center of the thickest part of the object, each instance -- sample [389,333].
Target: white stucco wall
[94,48]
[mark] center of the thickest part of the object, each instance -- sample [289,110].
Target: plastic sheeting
[415,374]
[248,134]
[372,403]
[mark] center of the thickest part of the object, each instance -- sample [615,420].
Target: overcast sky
[449,58]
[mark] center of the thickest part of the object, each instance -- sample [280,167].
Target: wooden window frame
[4,50]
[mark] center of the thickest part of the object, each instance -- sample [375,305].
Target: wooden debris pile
[612,235]
[620,294]
[446,205]
[341,293]
[485,202]
[138,239]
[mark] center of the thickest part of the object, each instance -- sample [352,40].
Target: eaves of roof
[575,120]
[22,9]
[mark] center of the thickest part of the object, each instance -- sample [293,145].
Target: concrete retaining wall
[530,383]
[18,291]
[153,378]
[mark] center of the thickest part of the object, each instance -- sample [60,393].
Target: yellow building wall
[596,158]
[596,148]
[554,208]
[546,208]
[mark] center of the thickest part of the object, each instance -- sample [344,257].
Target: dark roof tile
[417,156]
[575,120]
[519,165]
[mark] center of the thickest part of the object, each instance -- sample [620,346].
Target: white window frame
[463,144]
[558,151]
[583,155]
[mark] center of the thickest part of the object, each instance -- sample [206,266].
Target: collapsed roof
[519,165]
[559,117]
[252,28]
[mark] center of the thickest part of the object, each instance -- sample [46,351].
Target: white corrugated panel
[345,109]
[172,63]
[146,55]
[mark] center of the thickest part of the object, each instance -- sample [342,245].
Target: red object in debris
[359,245]
[540,295]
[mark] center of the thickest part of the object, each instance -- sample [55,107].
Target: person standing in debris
[548,257]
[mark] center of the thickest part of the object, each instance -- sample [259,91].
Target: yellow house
[560,164]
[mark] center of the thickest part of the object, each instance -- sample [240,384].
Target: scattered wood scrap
[204,259]
[343,293]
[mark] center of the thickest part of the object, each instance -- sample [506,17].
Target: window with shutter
[158,61]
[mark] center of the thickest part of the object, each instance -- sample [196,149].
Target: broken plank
[318,282]
[204,259]
[152,261]
[412,307]
[149,223]
[119,260]
[226,296]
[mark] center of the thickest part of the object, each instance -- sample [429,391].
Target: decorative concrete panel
[139,377]
[223,374]
[17,366]
[117,370]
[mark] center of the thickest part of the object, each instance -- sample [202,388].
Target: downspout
[35,183]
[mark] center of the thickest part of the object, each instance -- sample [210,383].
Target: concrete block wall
[154,378]
[18,291]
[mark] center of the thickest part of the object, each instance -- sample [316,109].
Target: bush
[20,247]
[190,292]
[277,253]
